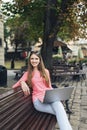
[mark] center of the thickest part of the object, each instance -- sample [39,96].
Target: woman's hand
[25,88]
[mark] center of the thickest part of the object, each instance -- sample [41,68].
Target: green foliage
[59,1]
[73,19]
[84,60]
[32,12]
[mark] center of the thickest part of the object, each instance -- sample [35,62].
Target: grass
[18,64]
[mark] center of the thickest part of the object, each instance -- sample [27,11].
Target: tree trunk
[14,57]
[50,21]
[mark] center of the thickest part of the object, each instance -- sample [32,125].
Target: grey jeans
[57,109]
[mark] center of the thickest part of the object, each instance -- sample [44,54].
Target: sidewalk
[77,102]
[10,81]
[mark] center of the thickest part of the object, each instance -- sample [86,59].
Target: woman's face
[34,60]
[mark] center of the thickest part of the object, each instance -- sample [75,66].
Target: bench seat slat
[12,103]
[29,121]
[32,123]
[23,121]
[18,113]
[52,123]
[15,114]
[17,119]
[5,113]
[35,124]
[44,116]
[46,123]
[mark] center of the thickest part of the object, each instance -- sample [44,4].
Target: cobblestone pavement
[77,102]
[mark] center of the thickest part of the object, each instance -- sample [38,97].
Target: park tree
[50,19]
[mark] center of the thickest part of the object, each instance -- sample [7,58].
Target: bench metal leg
[67,107]
[16,76]
[67,103]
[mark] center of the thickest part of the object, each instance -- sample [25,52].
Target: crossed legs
[57,109]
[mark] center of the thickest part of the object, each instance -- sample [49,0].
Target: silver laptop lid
[58,94]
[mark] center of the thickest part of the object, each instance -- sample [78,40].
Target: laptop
[58,94]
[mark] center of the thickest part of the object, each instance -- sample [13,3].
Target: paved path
[10,81]
[77,102]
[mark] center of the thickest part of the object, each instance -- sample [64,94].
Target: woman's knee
[39,106]
[43,107]
[57,105]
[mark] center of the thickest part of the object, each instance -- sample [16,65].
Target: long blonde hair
[41,68]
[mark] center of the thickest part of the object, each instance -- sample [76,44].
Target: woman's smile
[34,60]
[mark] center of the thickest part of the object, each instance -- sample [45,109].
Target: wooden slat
[18,113]
[10,109]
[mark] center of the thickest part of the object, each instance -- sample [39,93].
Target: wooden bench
[67,71]
[19,73]
[17,113]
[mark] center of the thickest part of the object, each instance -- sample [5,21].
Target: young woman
[38,78]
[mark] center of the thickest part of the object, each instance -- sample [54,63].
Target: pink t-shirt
[39,85]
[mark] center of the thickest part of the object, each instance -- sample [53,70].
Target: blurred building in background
[75,45]
[1,37]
